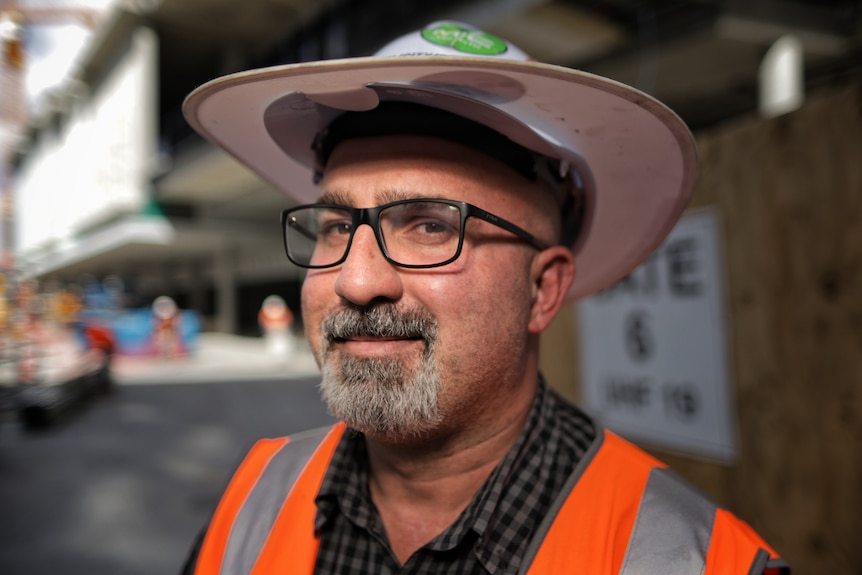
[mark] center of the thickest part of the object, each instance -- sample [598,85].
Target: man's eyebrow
[388,195]
[342,198]
[336,196]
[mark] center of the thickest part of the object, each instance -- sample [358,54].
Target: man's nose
[366,275]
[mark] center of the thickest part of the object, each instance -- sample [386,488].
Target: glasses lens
[421,233]
[317,236]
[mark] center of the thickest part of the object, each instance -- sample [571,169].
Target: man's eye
[432,227]
[428,230]
[334,228]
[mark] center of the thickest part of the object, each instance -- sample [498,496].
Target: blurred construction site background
[125,236]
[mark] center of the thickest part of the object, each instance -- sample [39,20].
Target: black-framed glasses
[414,233]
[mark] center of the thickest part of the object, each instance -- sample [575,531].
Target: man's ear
[552,272]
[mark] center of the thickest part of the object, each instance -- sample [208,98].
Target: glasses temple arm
[508,226]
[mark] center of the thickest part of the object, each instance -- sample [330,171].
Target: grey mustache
[379,321]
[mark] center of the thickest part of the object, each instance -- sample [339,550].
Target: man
[455,204]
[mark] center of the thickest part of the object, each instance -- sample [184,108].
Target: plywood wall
[790,193]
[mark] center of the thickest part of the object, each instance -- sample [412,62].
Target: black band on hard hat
[403,118]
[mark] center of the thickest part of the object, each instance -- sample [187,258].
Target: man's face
[410,353]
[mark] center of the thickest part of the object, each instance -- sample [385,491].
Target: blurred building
[111,180]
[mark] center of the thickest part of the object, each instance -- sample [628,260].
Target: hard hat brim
[639,155]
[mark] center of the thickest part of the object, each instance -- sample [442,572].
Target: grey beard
[381,396]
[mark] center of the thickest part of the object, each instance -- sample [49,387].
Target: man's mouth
[375,338]
[363,345]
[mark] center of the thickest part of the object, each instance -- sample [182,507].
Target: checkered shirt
[492,533]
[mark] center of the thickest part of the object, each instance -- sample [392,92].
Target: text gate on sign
[654,350]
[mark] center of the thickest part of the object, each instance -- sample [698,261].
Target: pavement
[221,357]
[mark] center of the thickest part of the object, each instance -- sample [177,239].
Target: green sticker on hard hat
[465,40]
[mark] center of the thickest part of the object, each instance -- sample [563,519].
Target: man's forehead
[406,166]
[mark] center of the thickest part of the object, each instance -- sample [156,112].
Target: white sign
[654,351]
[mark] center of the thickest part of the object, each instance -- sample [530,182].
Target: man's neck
[420,490]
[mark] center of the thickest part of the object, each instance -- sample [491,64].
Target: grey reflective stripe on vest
[673,528]
[262,505]
[761,562]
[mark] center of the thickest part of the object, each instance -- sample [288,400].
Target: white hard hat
[635,157]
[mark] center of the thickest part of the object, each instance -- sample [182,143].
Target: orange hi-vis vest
[621,512]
